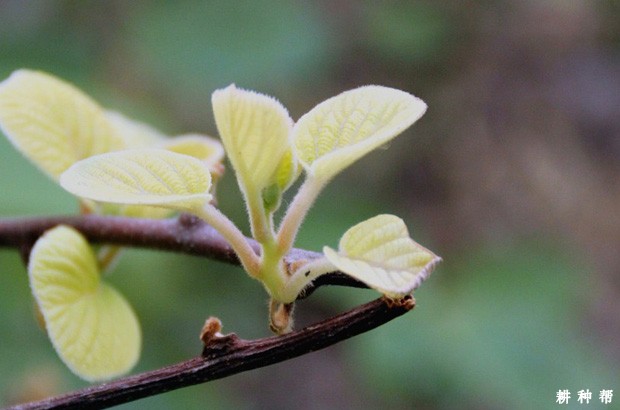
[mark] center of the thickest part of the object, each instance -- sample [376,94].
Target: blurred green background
[512,177]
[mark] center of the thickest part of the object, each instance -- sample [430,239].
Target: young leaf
[287,171]
[285,174]
[207,149]
[53,123]
[135,134]
[380,253]
[132,211]
[92,327]
[255,130]
[340,130]
[141,177]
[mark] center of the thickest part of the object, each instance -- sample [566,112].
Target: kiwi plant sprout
[118,166]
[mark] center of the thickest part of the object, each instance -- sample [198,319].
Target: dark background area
[512,176]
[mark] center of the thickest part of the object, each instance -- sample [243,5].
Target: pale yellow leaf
[131,211]
[255,130]
[380,253]
[145,211]
[207,149]
[342,129]
[135,134]
[92,327]
[53,123]
[141,177]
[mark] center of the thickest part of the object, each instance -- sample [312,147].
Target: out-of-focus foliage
[511,177]
[518,336]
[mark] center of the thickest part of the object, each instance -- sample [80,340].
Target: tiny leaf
[285,174]
[342,129]
[287,171]
[271,197]
[141,177]
[92,327]
[255,130]
[380,253]
[53,123]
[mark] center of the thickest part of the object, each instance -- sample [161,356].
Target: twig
[224,355]
[186,234]
[228,355]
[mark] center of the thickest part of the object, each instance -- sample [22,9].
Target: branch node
[189,221]
[215,343]
[407,302]
[210,330]
[293,266]
[281,317]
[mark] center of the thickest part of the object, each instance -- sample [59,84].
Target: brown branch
[224,355]
[228,355]
[186,234]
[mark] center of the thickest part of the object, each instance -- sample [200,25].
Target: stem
[248,258]
[108,256]
[296,213]
[261,228]
[272,272]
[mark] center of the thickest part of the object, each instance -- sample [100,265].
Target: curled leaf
[141,177]
[92,327]
[53,123]
[380,253]
[255,130]
[342,129]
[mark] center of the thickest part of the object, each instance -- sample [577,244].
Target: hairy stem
[107,256]
[296,213]
[248,258]
[262,230]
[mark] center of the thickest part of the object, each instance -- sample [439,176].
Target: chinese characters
[563,396]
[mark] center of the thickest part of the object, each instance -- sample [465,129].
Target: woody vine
[124,170]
